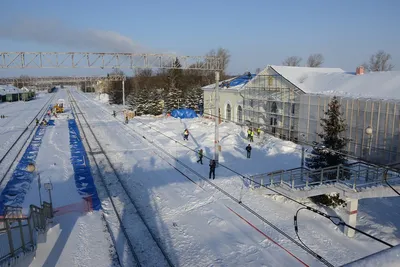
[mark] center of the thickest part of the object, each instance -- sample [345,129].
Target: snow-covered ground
[18,116]
[195,224]
[75,238]
[268,154]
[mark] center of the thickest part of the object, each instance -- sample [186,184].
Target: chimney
[360,70]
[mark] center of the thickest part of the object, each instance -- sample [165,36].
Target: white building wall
[225,96]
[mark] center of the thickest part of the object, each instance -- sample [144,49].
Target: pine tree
[333,125]
[332,152]
[174,94]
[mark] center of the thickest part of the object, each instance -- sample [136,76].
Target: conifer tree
[332,153]
[174,93]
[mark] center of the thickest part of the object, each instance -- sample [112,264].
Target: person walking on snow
[37,121]
[200,156]
[248,149]
[258,132]
[251,136]
[248,134]
[213,164]
[126,119]
[114,114]
[186,135]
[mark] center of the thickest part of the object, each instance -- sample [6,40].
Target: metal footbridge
[356,180]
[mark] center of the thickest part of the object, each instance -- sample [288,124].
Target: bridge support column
[351,216]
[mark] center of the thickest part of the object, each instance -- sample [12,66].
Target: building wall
[382,116]
[271,103]
[281,109]
[231,97]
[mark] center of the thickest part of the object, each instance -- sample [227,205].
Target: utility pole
[216,141]
[123,92]
[302,161]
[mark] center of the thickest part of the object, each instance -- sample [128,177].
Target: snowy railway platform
[157,203]
[77,235]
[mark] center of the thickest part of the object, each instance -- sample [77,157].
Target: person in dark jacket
[248,149]
[213,164]
[114,114]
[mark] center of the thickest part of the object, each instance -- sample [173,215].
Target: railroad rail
[159,150]
[122,201]
[40,114]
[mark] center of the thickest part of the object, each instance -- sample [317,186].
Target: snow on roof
[335,81]
[236,83]
[297,74]
[374,85]
[9,89]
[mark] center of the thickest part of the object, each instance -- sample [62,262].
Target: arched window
[228,112]
[240,114]
[274,107]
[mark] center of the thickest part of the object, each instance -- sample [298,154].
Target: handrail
[18,230]
[352,175]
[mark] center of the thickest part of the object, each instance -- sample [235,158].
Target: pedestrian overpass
[353,181]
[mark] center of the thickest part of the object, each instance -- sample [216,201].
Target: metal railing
[354,176]
[18,233]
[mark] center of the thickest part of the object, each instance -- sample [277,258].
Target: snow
[335,81]
[9,89]
[18,116]
[236,83]
[104,98]
[75,237]
[380,85]
[195,224]
[270,154]
[387,258]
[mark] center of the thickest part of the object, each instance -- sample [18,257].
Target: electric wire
[123,187]
[386,167]
[273,190]
[312,253]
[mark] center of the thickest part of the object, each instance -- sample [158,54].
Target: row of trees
[380,61]
[149,91]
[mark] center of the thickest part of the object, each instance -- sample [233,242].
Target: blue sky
[257,33]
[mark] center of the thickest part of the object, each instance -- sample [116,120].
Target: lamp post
[368,132]
[32,169]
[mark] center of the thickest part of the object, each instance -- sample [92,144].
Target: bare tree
[315,60]
[380,61]
[225,55]
[292,61]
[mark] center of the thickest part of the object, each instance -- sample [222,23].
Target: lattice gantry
[61,79]
[22,60]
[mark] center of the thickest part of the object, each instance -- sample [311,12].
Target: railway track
[142,245]
[160,151]
[28,134]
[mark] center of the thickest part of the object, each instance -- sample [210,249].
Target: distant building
[9,93]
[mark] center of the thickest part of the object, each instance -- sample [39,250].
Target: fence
[18,233]
[353,175]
